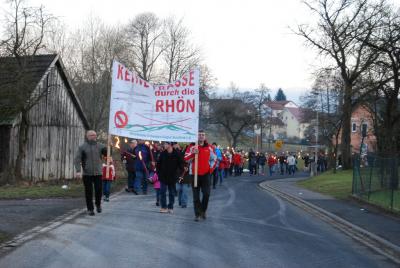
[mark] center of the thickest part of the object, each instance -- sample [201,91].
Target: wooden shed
[57,123]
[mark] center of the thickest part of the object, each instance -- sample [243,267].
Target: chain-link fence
[376,180]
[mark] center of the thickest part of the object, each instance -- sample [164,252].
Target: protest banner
[141,110]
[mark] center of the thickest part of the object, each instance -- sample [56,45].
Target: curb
[372,241]
[46,227]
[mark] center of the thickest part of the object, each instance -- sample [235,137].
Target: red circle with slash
[120,119]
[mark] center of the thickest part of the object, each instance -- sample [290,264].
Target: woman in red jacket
[222,167]
[237,161]
[271,163]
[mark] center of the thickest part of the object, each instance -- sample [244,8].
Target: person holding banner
[143,163]
[184,183]
[207,161]
[90,158]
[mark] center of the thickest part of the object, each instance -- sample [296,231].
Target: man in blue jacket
[143,164]
[217,174]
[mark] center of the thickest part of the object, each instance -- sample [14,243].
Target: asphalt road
[246,227]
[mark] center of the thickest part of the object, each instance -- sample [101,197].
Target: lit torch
[144,165]
[117,143]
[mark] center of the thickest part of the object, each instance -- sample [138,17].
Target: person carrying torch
[142,165]
[129,159]
[207,161]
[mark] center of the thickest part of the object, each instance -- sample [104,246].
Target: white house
[287,119]
[295,123]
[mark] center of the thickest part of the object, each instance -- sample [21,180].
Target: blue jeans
[217,176]
[271,170]
[131,180]
[157,195]
[291,169]
[220,175]
[261,169]
[141,180]
[106,188]
[182,190]
[171,195]
[237,170]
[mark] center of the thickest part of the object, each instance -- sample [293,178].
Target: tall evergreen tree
[280,96]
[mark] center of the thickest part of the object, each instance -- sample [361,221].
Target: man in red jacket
[206,165]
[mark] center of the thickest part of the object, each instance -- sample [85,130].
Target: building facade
[57,123]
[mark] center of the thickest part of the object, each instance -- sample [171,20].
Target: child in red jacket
[107,179]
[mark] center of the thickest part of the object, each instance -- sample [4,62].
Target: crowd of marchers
[170,168]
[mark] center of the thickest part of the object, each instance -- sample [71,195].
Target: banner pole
[108,154]
[196,164]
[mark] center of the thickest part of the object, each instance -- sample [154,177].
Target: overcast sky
[247,42]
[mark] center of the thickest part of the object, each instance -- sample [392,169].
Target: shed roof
[32,69]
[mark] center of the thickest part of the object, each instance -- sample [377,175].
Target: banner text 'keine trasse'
[179,88]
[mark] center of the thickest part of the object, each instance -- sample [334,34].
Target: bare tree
[341,35]
[25,29]
[180,55]
[207,84]
[257,99]
[325,98]
[57,40]
[234,115]
[95,47]
[145,36]
[384,78]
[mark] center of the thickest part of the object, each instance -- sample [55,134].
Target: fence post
[370,177]
[353,186]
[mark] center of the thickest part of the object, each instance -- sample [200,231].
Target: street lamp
[316,136]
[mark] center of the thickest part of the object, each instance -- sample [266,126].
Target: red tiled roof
[276,105]
[298,113]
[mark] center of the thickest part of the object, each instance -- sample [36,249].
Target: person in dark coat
[252,162]
[169,167]
[129,159]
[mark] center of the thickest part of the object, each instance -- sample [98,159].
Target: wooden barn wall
[55,133]
[4,146]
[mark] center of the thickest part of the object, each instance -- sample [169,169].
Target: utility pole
[316,140]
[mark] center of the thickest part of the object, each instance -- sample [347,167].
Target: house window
[353,127]
[364,129]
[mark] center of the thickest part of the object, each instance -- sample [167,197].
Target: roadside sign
[278,144]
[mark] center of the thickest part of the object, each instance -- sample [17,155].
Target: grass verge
[339,186]
[383,198]
[3,237]
[49,190]
[336,184]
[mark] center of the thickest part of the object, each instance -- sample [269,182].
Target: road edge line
[27,235]
[372,241]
